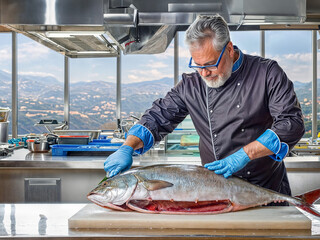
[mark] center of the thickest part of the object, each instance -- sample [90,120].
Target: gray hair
[204,27]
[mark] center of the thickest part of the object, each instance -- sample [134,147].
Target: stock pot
[38,145]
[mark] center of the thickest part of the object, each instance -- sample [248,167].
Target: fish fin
[310,197]
[152,185]
[306,200]
[308,208]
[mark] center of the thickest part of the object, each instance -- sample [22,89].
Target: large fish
[187,189]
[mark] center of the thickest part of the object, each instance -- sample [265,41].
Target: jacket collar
[239,61]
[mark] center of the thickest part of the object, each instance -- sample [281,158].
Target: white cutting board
[93,216]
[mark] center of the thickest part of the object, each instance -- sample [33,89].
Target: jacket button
[211,111]
[248,172]
[242,130]
[215,135]
[238,106]
[238,84]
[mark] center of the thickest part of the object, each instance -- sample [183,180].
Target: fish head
[114,191]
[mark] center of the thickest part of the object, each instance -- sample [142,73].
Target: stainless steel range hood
[82,28]
[74,28]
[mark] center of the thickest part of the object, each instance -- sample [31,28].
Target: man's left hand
[230,164]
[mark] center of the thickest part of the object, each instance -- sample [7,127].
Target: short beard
[220,81]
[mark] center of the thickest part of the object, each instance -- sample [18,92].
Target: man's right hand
[119,161]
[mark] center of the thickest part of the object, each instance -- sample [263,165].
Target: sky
[292,50]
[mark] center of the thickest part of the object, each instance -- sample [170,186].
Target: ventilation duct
[98,28]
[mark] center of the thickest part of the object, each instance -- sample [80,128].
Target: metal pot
[4,132]
[4,114]
[38,146]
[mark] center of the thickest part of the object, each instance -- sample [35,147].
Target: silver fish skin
[182,189]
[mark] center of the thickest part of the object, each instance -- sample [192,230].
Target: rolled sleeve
[145,135]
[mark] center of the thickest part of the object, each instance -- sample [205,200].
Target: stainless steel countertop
[51,220]
[22,158]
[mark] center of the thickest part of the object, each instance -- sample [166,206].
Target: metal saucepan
[38,146]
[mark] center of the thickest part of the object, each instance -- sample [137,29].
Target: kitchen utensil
[52,138]
[4,132]
[94,134]
[79,140]
[38,145]
[51,123]
[48,121]
[64,126]
[34,136]
[4,114]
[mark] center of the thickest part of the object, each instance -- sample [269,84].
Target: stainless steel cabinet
[47,185]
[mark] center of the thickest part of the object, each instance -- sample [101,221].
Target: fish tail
[310,197]
[308,208]
[306,201]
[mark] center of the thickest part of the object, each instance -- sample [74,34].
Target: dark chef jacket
[257,96]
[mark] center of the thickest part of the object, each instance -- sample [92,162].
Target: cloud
[37,74]
[252,53]
[298,66]
[146,75]
[6,71]
[153,64]
[32,51]
[94,75]
[183,53]
[5,54]
[99,77]
[134,78]
[301,57]
[110,77]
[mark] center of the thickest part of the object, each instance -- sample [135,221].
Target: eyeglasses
[209,67]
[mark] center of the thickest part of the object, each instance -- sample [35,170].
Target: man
[243,107]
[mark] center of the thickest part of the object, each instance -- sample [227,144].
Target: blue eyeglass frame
[208,66]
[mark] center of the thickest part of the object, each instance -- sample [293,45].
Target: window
[40,85]
[5,72]
[92,93]
[295,57]
[145,78]
[247,41]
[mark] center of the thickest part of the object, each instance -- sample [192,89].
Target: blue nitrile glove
[145,135]
[270,140]
[119,161]
[230,164]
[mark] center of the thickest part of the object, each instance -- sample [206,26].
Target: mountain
[4,76]
[48,80]
[92,104]
[299,85]
[160,82]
